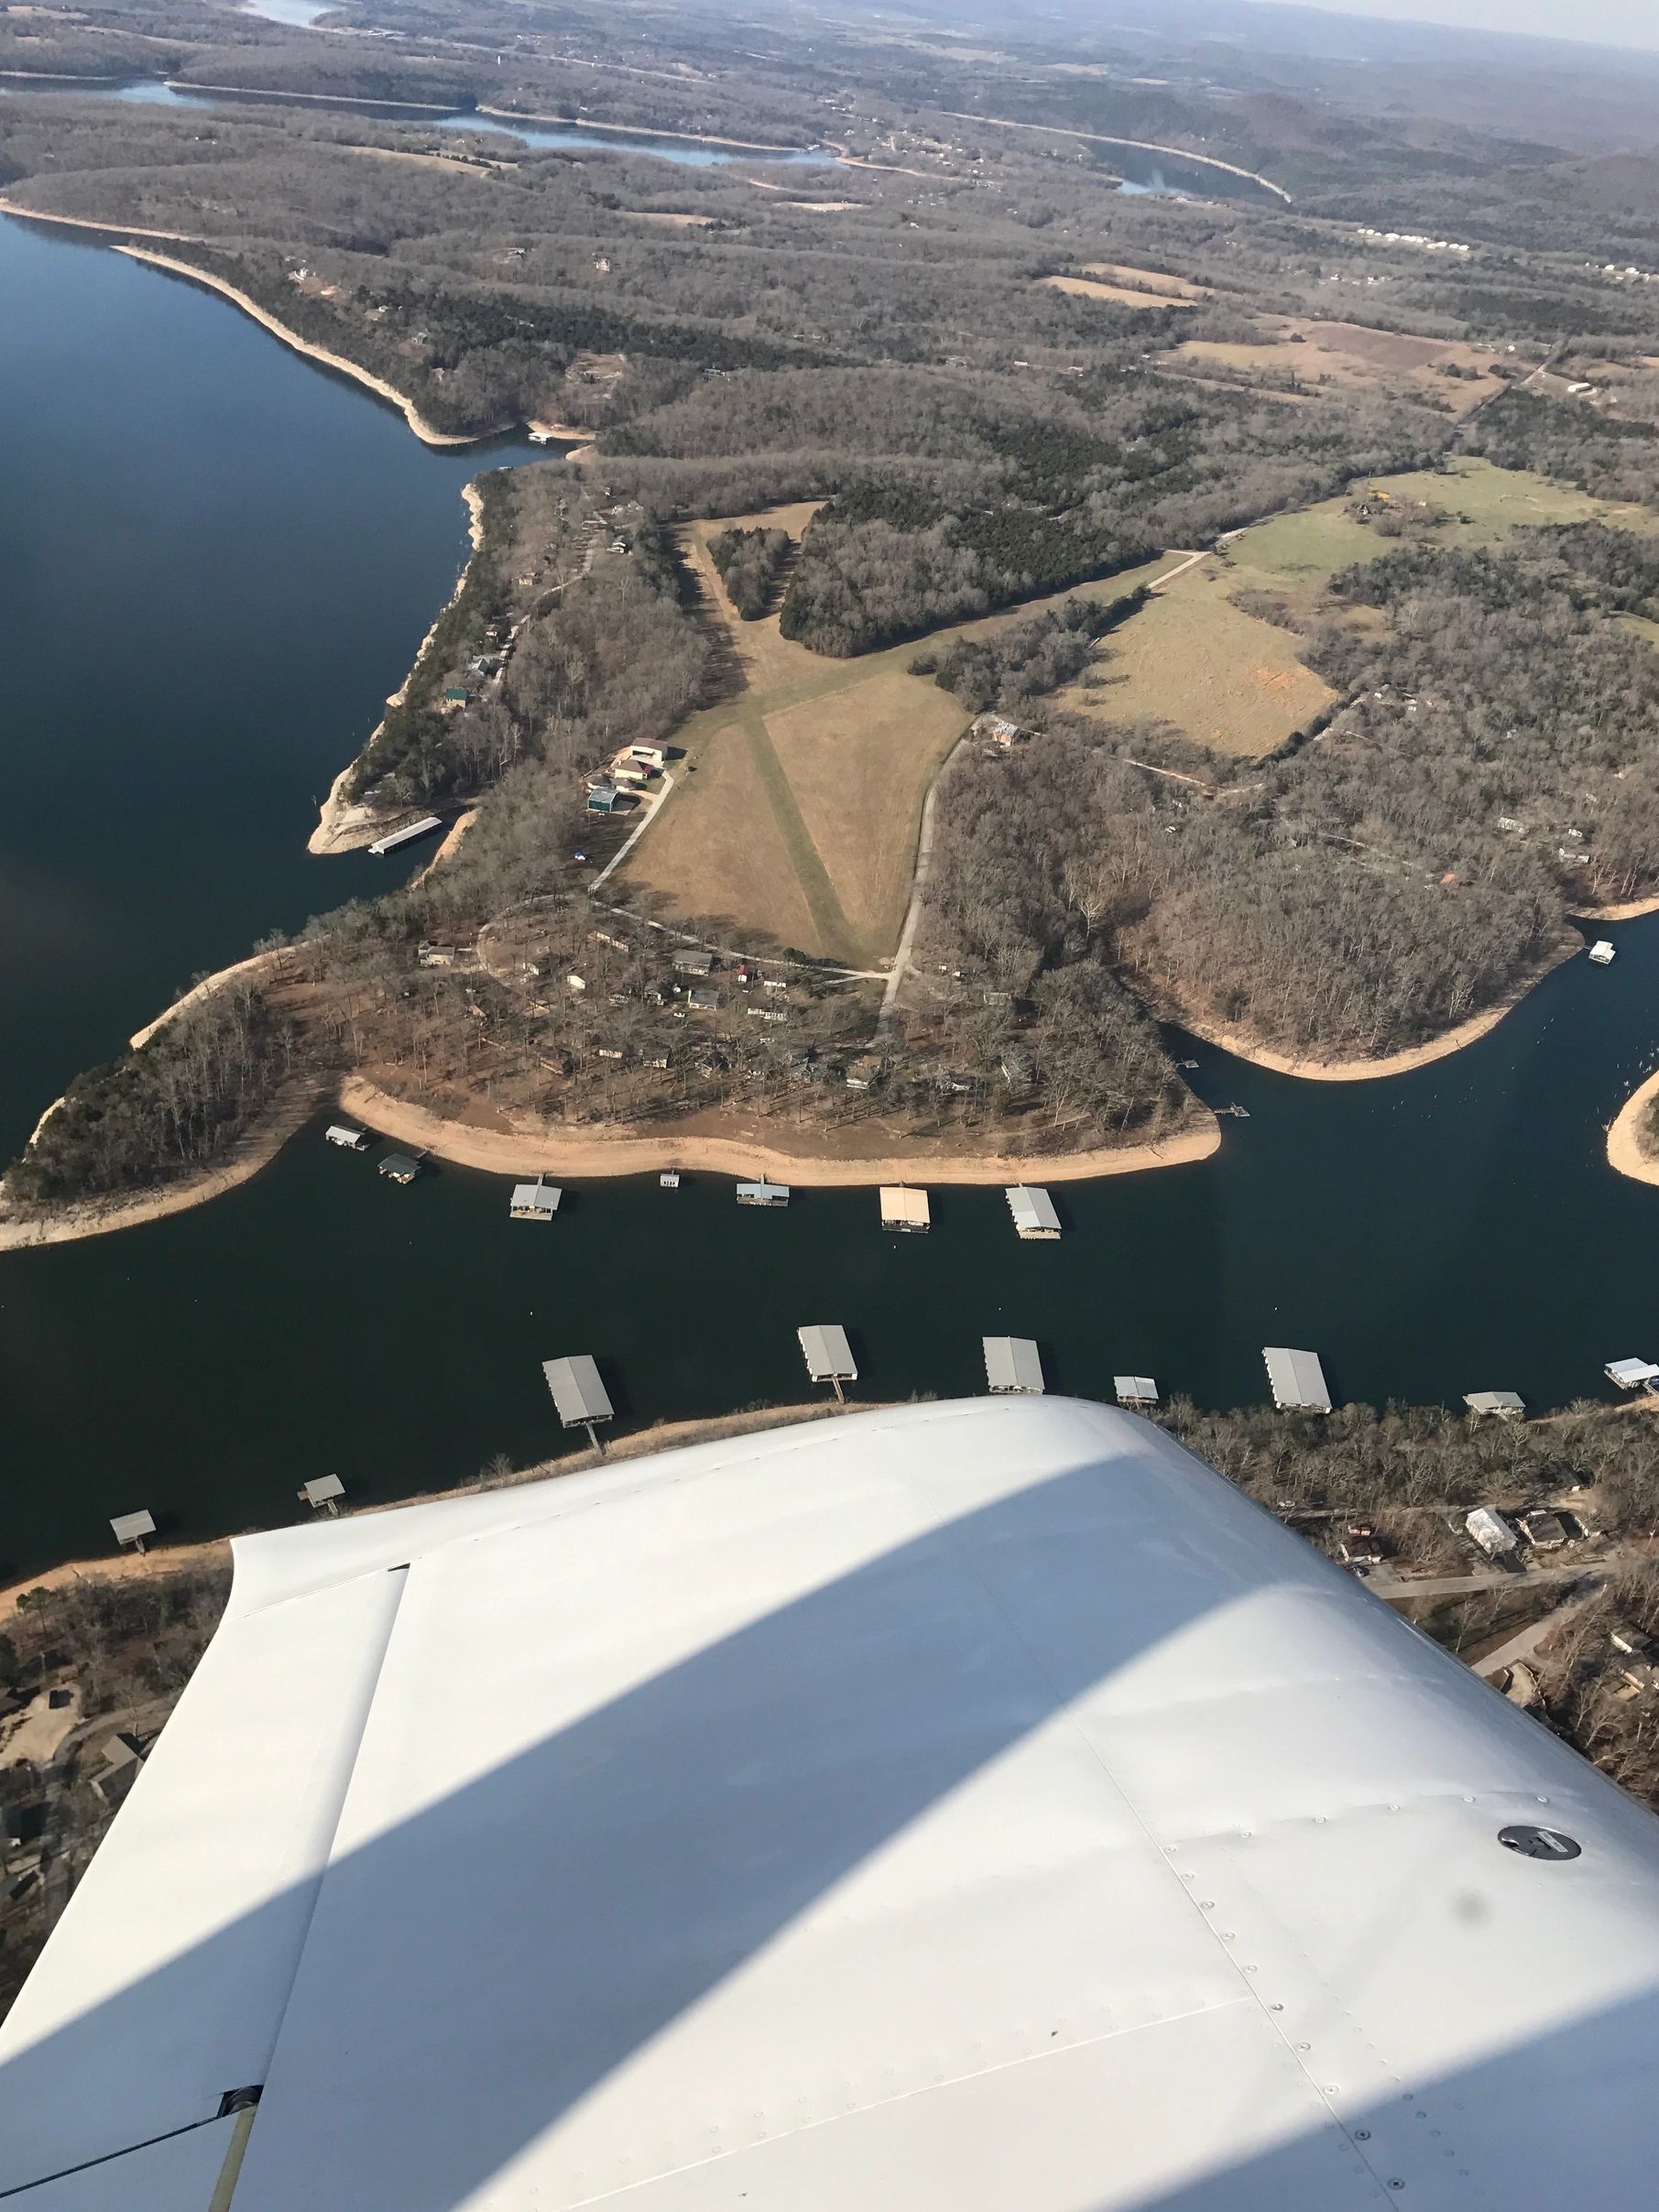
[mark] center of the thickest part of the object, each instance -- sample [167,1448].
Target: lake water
[215,560]
[589,137]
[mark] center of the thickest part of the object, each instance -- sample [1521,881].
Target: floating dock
[905,1210]
[399,1167]
[1035,1219]
[828,1355]
[406,835]
[1506,1405]
[133,1527]
[1632,1374]
[579,1397]
[669,1180]
[1135,1389]
[352,1140]
[1013,1366]
[1602,953]
[1296,1380]
[323,1493]
[763,1194]
[537,1200]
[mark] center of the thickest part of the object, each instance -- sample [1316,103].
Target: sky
[1604,22]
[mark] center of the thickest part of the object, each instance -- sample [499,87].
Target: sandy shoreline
[426,431]
[254,1149]
[159,1562]
[580,1152]
[1625,1150]
[1632,909]
[346,825]
[1392,1063]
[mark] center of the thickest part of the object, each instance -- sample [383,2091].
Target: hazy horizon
[1615,23]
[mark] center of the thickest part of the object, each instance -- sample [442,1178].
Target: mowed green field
[1483,504]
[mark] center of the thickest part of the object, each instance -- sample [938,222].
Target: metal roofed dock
[580,1397]
[406,835]
[762,1193]
[1035,1219]
[537,1200]
[1013,1366]
[1297,1379]
[828,1355]
[905,1210]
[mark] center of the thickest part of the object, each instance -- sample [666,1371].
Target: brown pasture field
[1350,357]
[1090,287]
[1192,658]
[1125,272]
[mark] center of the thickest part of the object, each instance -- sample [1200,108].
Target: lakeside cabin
[537,1200]
[904,1210]
[763,1194]
[1035,1219]
[399,1167]
[406,835]
[1013,1366]
[1632,1374]
[352,1140]
[1297,1379]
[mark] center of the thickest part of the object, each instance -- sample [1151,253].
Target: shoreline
[163,1560]
[254,1151]
[256,1147]
[581,1154]
[631,130]
[1625,1152]
[346,825]
[1308,1070]
[114,232]
[428,434]
[1141,146]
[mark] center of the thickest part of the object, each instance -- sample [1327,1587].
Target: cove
[589,137]
[215,561]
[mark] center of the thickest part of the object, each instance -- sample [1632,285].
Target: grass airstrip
[798,805]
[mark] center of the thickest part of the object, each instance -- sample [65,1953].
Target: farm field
[1093,287]
[1191,658]
[1482,503]
[1348,357]
[1125,273]
[797,808]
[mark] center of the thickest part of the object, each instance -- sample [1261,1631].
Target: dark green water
[215,562]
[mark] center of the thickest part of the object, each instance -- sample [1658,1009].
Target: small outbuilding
[1013,1366]
[1297,1379]
[537,1200]
[693,960]
[1545,1532]
[1493,1532]
[905,1210]
[1035,1219]
[602,797]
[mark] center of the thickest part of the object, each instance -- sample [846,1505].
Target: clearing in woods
[798,816]
[1193,659]
[1480,504]
[1347,357]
